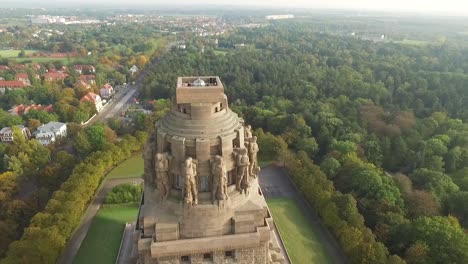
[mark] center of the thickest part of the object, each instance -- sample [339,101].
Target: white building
[50,132]
[133,69]
[94,98]
[106,91]
[6,133]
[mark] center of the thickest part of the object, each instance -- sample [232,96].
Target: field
[412,42]
[14,53]
[39,60]
[220,52]
[131,168]
[102,242]
[300,239]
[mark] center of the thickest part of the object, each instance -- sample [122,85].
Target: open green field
[38,60]
[412,42]
[131,168]
[300,239]
[220,52]
[14,53]
[102,242]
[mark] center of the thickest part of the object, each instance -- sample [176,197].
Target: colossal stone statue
[219,186]
[162,166]
[248,132]
[189,173]
[253,150]
[242,162]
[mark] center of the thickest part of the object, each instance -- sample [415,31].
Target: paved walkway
[275,183]
[73,245]
[126,250]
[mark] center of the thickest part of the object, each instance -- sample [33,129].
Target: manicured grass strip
[102,242]
[301,240]
[14,53]
[131,168]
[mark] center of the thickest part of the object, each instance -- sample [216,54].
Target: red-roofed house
[89,79]
[106,91]
[4,68]
[4,85]
[54,76]
[94,98]
[80,68]
[63,69]
[23,77]
[24,109]
[19,67]
[81,83]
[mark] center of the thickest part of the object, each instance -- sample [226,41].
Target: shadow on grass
[102,241]
[299,236]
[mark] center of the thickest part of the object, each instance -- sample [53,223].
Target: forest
[374,133]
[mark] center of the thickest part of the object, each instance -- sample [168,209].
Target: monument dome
[202,201]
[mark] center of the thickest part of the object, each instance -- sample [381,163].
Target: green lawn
[102,242]
[38,60]
[412,42]
[220,52]
[14,53]
[299,237]
[131,168]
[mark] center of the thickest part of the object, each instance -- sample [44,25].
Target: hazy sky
[444,6]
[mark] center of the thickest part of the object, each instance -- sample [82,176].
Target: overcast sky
[444,6]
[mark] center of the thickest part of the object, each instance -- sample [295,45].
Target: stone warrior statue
[242,162]
[162,165]
[189,172]
[253,150]
[248,132]
[219,186]
[148,156]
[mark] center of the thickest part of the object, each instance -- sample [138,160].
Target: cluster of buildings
[277,17]
[22,109]
[65,20]
[45,134]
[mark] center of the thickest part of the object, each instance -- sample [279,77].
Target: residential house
[81,83]
[9,85]
[55,76]
[6,133]
[106,91]
[23,77]
[4,68]
[24,109]
[50,132]
[133,69]
[80,69]
[89,79]
[20,67]
[93,98]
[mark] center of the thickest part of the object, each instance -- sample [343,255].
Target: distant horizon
[290,6]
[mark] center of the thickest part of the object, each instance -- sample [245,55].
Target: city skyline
[456,7]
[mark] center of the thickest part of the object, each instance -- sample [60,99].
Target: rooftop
[51,126]
[201,89]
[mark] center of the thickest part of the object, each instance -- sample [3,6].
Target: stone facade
[202,202]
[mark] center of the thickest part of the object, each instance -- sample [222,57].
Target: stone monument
[202,202]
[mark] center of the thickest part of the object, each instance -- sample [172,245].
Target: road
[126,94]
[116,105]
[73,245]
[275,183]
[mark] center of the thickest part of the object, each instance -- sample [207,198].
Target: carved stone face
[254,139]
[159,156]
[188,161]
